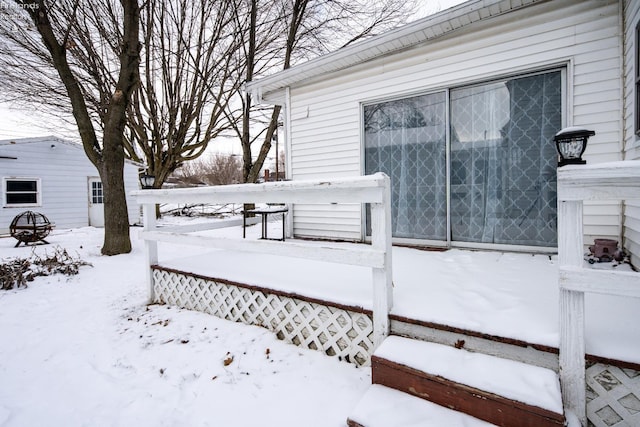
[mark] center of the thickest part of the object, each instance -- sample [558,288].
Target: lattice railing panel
[613,396]
[336,331]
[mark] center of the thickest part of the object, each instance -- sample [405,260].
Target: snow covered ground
[87,351]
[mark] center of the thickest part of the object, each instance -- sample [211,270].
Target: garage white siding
[63,171]
[581,36]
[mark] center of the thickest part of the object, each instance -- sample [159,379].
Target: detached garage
[54,177]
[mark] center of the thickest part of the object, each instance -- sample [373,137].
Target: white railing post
[572,315]
[150,246]
[382,277]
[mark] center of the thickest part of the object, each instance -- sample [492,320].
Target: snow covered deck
[508,295]
[491,299]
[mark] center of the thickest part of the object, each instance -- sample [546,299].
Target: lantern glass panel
[571,148]
[147,180]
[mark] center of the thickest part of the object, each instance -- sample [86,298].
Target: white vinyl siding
[62,169]
[632,140]
[326,148]
[581,35]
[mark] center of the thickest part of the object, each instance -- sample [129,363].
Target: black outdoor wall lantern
[571,143]
[147,180]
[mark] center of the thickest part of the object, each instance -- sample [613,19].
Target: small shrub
[15,273]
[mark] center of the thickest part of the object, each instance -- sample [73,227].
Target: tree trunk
[109,160]
[116,216]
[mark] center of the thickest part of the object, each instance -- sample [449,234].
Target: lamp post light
[147,181]
[571,143]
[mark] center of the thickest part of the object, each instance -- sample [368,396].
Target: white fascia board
[390,42]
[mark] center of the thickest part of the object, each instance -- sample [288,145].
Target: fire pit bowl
[30,227]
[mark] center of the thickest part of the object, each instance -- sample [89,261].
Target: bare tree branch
[305,29]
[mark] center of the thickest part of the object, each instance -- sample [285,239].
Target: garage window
[21,192]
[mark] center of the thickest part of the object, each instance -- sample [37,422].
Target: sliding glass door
[501,158]
[503,161]
[406,140]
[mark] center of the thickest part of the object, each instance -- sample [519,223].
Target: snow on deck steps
[385,407]
[500,391]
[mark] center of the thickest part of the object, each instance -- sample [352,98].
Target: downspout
[623,83]
[287,148]
[287,130]
[621,97]
[257,94]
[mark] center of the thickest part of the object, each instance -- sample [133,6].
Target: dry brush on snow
[16,272]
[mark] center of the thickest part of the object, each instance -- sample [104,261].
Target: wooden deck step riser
[477,403]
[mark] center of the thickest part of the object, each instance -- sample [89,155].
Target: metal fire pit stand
[30,227]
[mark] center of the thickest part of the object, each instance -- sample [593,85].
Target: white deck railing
[372,189]
[610,181]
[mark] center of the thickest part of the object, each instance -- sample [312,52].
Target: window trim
[38,192]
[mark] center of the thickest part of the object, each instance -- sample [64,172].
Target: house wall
[584,36]
[631,140]
[63,172]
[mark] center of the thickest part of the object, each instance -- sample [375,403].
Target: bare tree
[190,70]
[218,169]
[41,46]
[305,29]
[222,169]
[196,56]
[189,74]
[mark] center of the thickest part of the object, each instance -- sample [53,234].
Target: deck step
[499,391]
[385,407]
